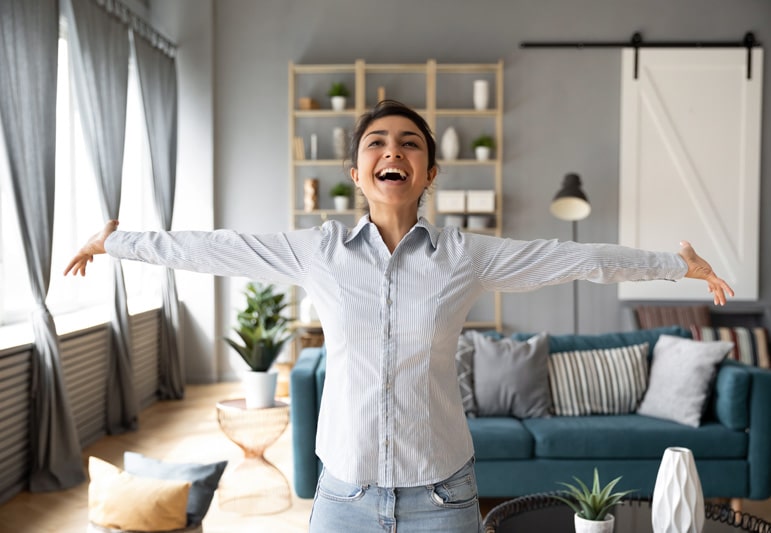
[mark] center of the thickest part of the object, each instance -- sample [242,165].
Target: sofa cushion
[681,377]
[731,396]
[608,381]
[500,438]
[510,377]
[568,342]
[629,436]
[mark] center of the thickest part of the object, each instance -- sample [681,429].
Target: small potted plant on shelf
[483,146]
[338,94]
[341,193]
[592,506]
[264,330]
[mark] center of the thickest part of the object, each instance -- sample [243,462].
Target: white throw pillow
[681,377]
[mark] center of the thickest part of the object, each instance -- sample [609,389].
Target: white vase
[582,525]
[481,94]
[259,388]
[338,102]
[308,311]
[338,142]
[341,202]
[450,144]
[678,501]
[482,153]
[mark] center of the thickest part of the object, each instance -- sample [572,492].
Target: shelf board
[466,112]
[324,212]
[323,113]
[320,162]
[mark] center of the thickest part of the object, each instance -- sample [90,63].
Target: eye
[376,142]
[411,144]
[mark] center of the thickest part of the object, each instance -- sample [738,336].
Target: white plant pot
[482,153]
[678,501]
[341,202]
[259,389]
[583,525]
[338,102]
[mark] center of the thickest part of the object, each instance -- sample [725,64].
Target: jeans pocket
[334,489]
[455,492]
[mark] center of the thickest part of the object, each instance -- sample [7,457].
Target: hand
[94,246]
[698,268]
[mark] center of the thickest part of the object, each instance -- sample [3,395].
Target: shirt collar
[430,229]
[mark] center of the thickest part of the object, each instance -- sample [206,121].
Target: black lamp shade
[570,203]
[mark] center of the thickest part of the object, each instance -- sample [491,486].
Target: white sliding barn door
[690,164]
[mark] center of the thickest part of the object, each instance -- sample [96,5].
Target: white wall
[561,109]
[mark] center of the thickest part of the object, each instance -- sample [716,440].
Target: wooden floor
[185,431]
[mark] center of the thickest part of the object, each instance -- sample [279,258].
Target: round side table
[255,485]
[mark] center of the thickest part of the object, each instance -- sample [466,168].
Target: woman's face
[392,167]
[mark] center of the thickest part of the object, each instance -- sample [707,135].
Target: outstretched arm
[94,246]
[698,268]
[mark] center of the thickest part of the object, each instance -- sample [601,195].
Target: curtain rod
[636,42]
[124,13]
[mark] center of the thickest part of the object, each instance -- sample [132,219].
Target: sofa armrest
[304,413]
[760,434]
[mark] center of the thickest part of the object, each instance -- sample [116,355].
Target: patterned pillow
[608,381]
[464,363]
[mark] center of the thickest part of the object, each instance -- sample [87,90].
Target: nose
[393,151]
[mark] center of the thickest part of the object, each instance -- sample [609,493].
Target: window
[78,214]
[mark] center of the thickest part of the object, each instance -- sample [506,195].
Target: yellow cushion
[119,500]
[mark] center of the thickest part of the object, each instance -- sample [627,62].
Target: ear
[431,174]
[355,175]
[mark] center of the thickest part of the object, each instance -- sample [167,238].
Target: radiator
[145,342]
[15,376]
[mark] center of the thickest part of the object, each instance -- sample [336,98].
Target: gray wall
[561,108]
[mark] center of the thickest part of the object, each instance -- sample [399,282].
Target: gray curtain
[29,34]
[158,79]
[99,55]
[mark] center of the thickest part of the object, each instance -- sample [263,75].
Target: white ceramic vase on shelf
[338,142]
[678,501]
[450,144]
[481,94]
[582,525]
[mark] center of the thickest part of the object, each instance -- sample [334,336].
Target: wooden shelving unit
[441,92]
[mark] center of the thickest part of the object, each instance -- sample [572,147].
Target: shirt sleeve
[278,258]
[515,266]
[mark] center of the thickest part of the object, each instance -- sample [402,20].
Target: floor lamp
[571,204]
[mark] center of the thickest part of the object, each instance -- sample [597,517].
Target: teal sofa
[732,446]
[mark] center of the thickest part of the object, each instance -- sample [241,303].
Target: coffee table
[543,512]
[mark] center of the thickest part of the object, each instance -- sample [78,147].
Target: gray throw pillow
[204,478]
[681,376]
[511,377]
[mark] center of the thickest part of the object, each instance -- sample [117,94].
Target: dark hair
[387,108]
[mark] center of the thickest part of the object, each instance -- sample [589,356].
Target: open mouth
[391,174]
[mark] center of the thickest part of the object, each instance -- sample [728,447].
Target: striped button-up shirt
[391,411]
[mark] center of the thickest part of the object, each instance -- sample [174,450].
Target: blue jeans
[450,506]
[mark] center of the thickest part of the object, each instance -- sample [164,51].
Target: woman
[392,295]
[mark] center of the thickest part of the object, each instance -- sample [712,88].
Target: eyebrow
[405,133]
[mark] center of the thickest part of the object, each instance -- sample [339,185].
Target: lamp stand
[575,286]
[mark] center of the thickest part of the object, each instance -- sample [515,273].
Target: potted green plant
[341,193]
[483,146]
[592,506]
[338,94]
[263,330]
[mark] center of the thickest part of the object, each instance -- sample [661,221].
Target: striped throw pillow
[750,344]
[607,381]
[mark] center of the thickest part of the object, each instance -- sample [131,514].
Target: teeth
[384,173]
